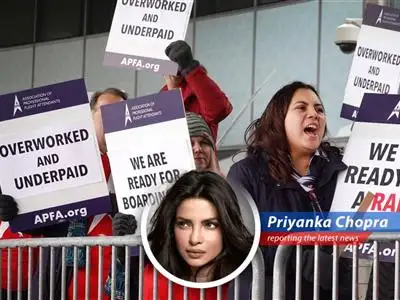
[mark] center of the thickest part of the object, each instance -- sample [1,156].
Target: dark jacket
[201,95]
[252,173]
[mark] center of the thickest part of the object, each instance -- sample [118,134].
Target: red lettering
[390,203]
[377,201]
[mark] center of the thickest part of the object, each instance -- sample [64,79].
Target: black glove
[181,53]
[123,224]
[8,208]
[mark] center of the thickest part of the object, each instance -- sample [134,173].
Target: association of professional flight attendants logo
[17,106]
[379,20]
[128,117]
[395,112]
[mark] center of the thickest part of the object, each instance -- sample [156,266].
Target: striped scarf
[309,182]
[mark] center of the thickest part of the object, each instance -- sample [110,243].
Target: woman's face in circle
[198,233]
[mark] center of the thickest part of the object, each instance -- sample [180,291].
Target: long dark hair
[237,240]
[267,134]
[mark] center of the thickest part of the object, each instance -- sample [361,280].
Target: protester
[203,146]
[200,93]
[289,169]
[99,225]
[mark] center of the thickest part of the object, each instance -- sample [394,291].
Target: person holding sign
[289,169]
[108,96]
[99,225]
[200,93]
[203,145]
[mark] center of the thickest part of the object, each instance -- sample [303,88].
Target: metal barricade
[282,257]
[258,281]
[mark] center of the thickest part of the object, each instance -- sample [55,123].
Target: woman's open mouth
[311,130]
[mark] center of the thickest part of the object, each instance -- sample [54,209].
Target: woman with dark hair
[288,168]
[197,234]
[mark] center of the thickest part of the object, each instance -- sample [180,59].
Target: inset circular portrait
[204,233]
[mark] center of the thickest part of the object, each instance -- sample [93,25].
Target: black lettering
[384,180]
[183,7]
[46,178]
[176,174]
[84,134]
[137,163]
[360,197]
[152,199]
[373,177]
[50,141]
[54,158]
[3,151]
[125,202]
[163,158]
[28,181]
[157,159]
[47,160]
[21,147]
[362,174]
[130,183]
[75,133]
[13,149]
[351,174]
[53,176]
[132,201]
[144,199]
[139,202]
[38,143]
[70,172]
[392,152]
[148,32]
[377,151]
[61,174]
[40,162]
[67,138]
[18,183]
[83,170]
[37,179]
[59,139]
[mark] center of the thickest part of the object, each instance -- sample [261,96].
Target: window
[100,15]
[208,7]
[395,4]
[16,22]
[59,19]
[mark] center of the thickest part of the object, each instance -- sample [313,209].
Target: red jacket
[100,225]
[177,290]
[202,95]
[6,233]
